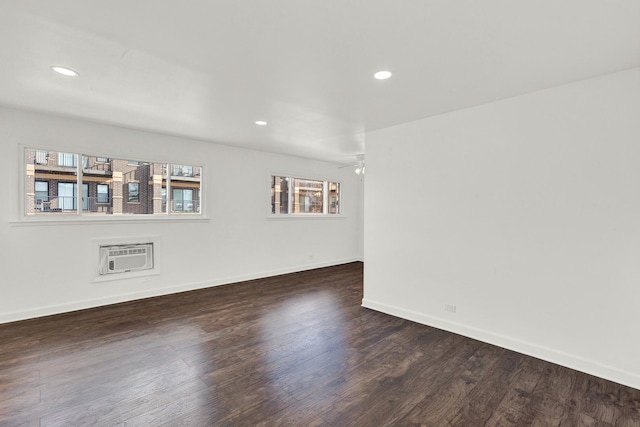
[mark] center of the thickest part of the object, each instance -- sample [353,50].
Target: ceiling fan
[359,165]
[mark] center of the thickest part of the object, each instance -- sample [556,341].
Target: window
[183,200]
[109,185]
[134,192]
[184,189]
[42,157]
[103,193]
[304,196]
[42,191]
[280,195]
[184,170]
[308,196]
[42,196]
[67,196]
[67,159]
[334,197]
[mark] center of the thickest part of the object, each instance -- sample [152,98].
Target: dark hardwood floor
[290,350]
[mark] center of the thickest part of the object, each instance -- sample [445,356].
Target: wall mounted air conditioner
[125,258]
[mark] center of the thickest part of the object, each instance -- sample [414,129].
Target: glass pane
[333,198]
[177,199]
[67,160]
[185,181]
[183,200]
[307,196]
[103,193]
[185,170]
[42,157]
[42,190]
[85,197]
[134,186]
[122,186]
[187,196]
[279,195]
[42,196]
[133,195]
[44,170]
[66,198]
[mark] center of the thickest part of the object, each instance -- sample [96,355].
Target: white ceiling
[210,68]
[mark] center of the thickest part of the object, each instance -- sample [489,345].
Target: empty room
[320,213]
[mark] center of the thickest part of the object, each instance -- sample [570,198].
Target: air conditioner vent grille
[125,258]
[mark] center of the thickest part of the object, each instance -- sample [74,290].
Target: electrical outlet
[449,307]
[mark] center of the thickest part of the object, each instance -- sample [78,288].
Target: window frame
[325,196]
[29,218]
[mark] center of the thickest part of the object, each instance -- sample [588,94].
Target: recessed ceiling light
[382,75]
[65,71]
[261,123]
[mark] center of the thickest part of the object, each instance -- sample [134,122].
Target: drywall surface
[51,268]
[361,218]
[522,215]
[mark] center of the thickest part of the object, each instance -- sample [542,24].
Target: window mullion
[79,193]
[290,195]
[169,193]
[325,197]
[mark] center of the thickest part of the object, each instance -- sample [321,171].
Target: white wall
[525,215]
[49,268]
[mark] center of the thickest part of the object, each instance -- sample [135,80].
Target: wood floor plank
[120,407]
[512,409]
[489,392]
[290,350]
[436,409]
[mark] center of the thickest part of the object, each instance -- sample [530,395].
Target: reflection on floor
[288,350]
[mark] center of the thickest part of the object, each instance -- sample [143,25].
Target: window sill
[303,217]
[120,219]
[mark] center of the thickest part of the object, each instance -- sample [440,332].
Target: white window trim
[72,219]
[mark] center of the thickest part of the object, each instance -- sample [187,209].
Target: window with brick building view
[304,196]
[59,182]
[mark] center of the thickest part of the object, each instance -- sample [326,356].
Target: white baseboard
[115,299]
[571,361]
